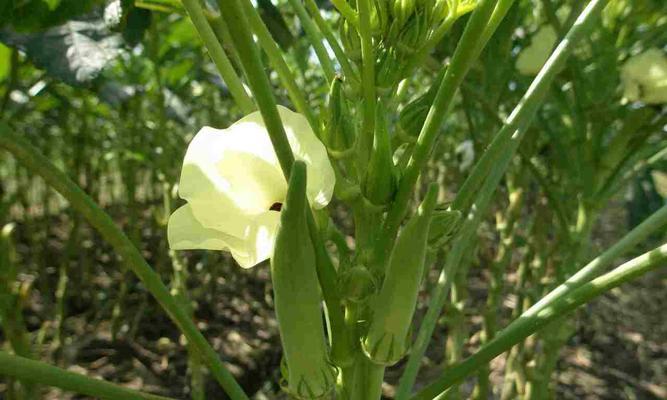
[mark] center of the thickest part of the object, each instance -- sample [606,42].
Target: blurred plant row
[111,93]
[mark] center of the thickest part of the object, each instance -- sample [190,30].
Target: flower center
[277,206]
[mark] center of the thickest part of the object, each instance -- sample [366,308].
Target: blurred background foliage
[112,91]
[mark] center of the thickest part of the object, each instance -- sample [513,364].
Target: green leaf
[5,61]
[276,24]
[75,52]
[36,15]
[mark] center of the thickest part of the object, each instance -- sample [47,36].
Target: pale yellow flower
[532,58]
[644,77]
[234,187]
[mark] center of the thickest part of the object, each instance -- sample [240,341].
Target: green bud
[357,284]
[443,225]
[413,34]
[412,117]
[402,9]
[379,185]
[350,40]
[338,132]
[382,15]
[388,70]
[387,339]
[297,300]
[440,10]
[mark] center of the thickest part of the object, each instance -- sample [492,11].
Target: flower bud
[443,226]
[380,181]
[402,9]
[412,117]
[357,284]
[393,309]
[297,300]
[388,70]
[338,132]
[381,14]
[350,40]
[440,11]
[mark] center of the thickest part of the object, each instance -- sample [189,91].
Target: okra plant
[542,149]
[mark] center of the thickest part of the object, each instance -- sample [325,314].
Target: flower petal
[258,243]
[229,176]
[184,232]
[308,148]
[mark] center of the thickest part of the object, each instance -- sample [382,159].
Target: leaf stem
[342,58]
[218,56]
[282,69]
[347,11]
[26,369]
[316,39]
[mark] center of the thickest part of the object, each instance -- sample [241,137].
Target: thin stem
[534,319]
[30,157]
[462,60]
[342,58]
[26,369]
[218,56]
[282,69]
[347,11]
[316,39]
[365,140]
[237,22]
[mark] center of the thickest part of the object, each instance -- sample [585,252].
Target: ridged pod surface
[393,309]
[310,375]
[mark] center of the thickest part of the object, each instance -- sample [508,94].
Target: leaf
[75,52]
[5,61]
[36,15]
[275,23]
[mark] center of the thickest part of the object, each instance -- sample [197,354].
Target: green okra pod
[393,309]
[297,300]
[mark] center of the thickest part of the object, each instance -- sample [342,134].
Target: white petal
[184,232]
[230,176]
[308,148]
[258,243]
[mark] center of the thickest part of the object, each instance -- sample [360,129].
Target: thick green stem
[535,318]
[218,56]
[30,157]
[39,372]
